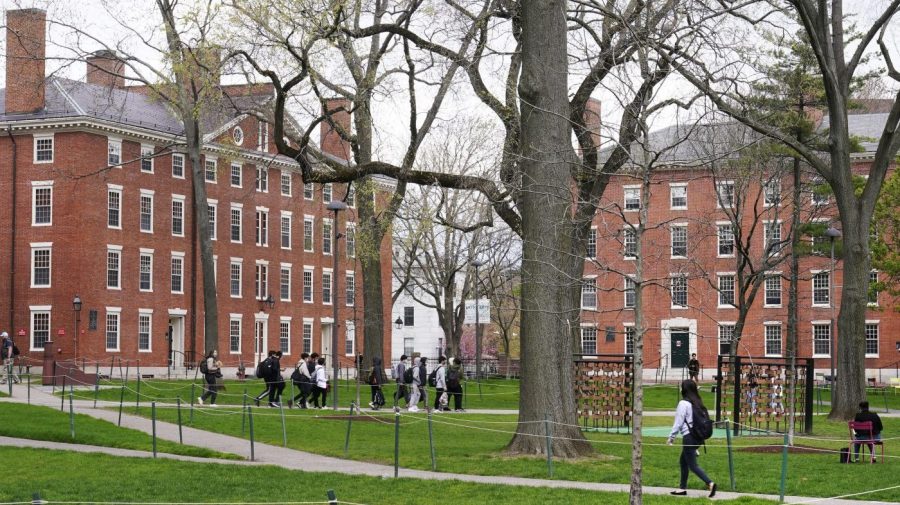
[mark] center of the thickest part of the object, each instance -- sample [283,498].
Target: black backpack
[408,375]
[432,377]
[701,426]
[15,350]
[453,377]
[203,368]
[262,369]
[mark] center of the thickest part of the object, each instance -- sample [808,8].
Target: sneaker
[413,409]
[213,405]
[678,492]
[274,405]
[372,405]
[200,400]
[256,400]
[712,489]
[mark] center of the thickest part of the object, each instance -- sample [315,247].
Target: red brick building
[690,269]
[97,202]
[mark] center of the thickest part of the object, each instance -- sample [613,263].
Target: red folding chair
[862,428]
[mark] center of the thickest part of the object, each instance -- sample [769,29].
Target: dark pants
[305,389]
[688,461]
[401,392]
[265,392]
[437,398]
[455,391]
[275,390]
[377,400]
[862,436]
[319,392]
[211,388]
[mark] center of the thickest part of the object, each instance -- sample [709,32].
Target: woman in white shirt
[690,399]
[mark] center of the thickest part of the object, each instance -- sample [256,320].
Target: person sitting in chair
[864,416]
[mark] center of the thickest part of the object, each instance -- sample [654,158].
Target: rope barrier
[870,491]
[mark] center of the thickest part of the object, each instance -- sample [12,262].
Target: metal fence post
[180,437]
[549,445]
[153,422]
[396,442]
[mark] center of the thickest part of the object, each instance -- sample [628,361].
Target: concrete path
[302,461]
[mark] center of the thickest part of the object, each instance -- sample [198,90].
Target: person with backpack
[320,379]
[454,384]
[276,380]
[302,378]
[8,353]
[211,370]
[376,379]
[264,372]
[399,376]
[693,423]
[438,380]
[411,377]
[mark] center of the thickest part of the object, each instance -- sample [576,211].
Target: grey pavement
[299,460]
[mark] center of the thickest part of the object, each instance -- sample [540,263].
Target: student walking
[454,384]
[690,400]
[376,379]
[277,381]
[415,392]
[440,385]
[211,372]
[399,373]
[320,378]
[264,372]
[8,358]
[694,367]
[302,378]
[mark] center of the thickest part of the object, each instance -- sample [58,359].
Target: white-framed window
[629,292]
[349,338]
[285,183]
[262,227]
[262,179]
[726,290]
[726,335]
[286,219]
[309,226]
[725,233]
[237,179]
[145,330]
[773,338]
[146,211]
[235,271]
[632,197]
[113,267]
[871,339]
[42,203]
[177,273]
[326,236]
[327,279]
[262,137]
[350,240]
[678,196]
[630,333]
[234,333]
[588,340]
[725,194]
[40,327]
[41,261]
[43,148]
[145,280]
[307,334]
[872,295]
[308,284]
[409,316]
[409,345]
[262,280]
[210,170]
[178,215]
[678,288]
[591,251]
[351,195]
[113,318]
[679,240]
[212,209]
[114,152]
[772,240]
[629,240]
[147,152]
[308,192]
[821,339]
[284,335]
[178,166]
[589,293]
[821,289]
[773,291]
[114,206]
[285,283]
[349,289]
[772,193]
[237,215]
[327,192]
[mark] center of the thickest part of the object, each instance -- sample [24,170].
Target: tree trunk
[551,274]
[201,222]
[792,324]
[370,264]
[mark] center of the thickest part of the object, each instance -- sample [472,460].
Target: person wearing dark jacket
[277,381]
[376,380]
[454,384]
[866,416]
[694,367]
[302,378]
[213,371]
[266,365]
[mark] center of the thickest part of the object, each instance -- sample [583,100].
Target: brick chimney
[331,141]
[592,119]
[105,68]
[26,30]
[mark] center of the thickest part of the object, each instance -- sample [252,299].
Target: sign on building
[484,311]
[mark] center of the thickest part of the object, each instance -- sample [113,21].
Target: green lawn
[64,476]
[18,420]
[474,444]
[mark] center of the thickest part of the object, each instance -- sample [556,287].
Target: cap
[4,334]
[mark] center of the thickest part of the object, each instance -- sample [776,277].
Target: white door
[326,343]
[260,342]
[176,333]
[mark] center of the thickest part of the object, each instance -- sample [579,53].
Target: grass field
[17,420]
[64,476]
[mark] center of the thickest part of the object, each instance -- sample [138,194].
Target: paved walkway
[299,460]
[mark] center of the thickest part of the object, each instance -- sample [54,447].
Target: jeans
[210,388]
[688,461]
[414,395]
[455,393]
[317,392]
[305,389]
[865,436]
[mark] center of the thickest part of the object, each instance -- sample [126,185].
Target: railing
[895,365]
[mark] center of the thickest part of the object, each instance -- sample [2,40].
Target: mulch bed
[796,449]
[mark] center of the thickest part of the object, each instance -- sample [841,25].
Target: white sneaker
[413,409]
[200,400]
[371,405]
[213,405]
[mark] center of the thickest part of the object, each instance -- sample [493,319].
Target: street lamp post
[477,264]
[335,206]
[832,234]
[76,307]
